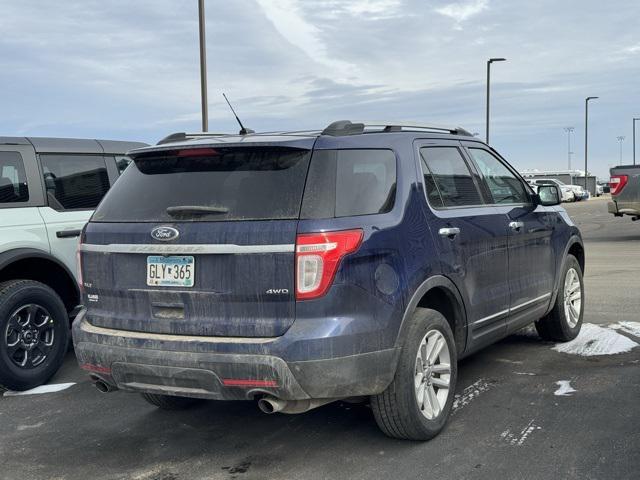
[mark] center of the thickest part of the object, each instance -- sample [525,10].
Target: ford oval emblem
[164,233]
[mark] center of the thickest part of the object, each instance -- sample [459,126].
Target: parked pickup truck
[625,191]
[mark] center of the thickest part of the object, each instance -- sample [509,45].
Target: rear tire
[169,402]
[564,321]
[34,334]
[416,405]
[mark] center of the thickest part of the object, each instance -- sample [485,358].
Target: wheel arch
[38,265]
[438,293]
[573,247]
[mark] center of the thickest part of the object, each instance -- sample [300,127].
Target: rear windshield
[212,185]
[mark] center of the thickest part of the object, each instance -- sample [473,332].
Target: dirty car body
[308,253]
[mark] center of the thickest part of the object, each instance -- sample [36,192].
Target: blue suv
[299,268]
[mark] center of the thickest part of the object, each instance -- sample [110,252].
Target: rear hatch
[198,241]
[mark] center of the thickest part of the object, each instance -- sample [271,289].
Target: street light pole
[569,131]
[586,136]
[489,62]
[634,140]
[203,68]
[620,140]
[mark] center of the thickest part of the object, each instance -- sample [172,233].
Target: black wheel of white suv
[34,334]
[416,405]
[564,321]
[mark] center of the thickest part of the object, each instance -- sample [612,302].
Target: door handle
[516,226]
[450,232]
[68,233]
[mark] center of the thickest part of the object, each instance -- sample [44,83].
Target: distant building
[570,177]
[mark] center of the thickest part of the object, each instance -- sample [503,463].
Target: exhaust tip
[103,386]
[266,406]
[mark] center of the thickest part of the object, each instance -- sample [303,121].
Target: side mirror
[549,195]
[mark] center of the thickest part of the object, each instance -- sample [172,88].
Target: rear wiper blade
[195,210]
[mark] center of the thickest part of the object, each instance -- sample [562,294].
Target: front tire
[34,334]
[417,403]
[564,321]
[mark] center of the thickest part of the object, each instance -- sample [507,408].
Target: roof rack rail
[181,136]
[346,127]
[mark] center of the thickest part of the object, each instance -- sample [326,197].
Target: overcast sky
[129,69]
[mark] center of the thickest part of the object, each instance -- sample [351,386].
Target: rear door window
[74,182]
[13,179]
[503,184]
[221,184]
[345,183]
[447,178]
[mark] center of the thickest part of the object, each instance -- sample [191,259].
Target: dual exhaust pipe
[268,404]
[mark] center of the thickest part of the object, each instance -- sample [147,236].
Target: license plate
[176,271]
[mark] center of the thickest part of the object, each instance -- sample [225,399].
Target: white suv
[48,190]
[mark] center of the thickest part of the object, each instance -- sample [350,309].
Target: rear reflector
[318,256]
[238,382]
[95,368]
[617,183]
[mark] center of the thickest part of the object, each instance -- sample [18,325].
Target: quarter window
[74,181]
[13,180]
[504,186]
[344,183]
[447,178]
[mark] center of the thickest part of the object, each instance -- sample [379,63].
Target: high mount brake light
[197,152]
[318,256]
[617,183]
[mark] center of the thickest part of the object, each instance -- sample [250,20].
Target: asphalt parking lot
[515,417]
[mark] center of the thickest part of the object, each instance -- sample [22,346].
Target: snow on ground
[54,387]
[632,328]
[564,388]
[597,340]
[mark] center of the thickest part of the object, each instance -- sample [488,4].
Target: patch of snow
[54,387]
[596,340]
[524,373]
[469,393]
[27,427]
[564,388]
[632,328]
[517,439]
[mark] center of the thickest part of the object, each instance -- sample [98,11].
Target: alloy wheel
[432,374]
[572,297]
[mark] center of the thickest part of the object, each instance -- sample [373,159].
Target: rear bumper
[193,367]
[624,208]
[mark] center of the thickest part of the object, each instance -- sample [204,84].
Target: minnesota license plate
[174,271]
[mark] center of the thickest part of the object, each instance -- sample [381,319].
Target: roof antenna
[243,131]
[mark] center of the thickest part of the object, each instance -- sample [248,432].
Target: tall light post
[203,68]
[489,62]
[569,131]
[634,140]
[620,140]
[586,136]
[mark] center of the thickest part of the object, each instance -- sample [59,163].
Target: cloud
[463,11]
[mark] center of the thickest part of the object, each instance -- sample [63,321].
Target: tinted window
[344,183]
[13,181]
[221,185]
[504,186]
[74,181]
[447,178]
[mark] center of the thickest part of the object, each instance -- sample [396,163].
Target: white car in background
[576,191]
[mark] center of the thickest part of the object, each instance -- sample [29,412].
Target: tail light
[617,183]
[79,268]
[318,256]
